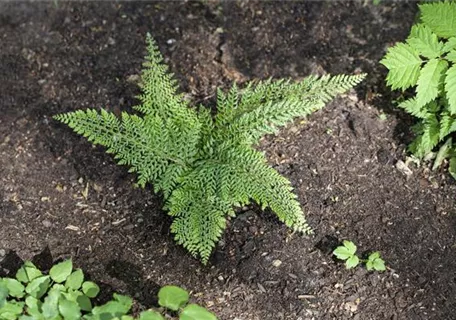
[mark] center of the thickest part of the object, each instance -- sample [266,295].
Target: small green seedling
[347,252]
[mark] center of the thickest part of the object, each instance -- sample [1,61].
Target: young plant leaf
[84,303]
[69,309]
[75,280]
[124,300]
[379,265]
[451,56]
[113,308]
[3,294]
[403,63]
[450,88]
[28,272]
[412,107]
[90,289]
[352,262]
[150,315]
[172,297]
[60,272]
[450,45]
[15,288]
[342,253]
[50,306]
[38,286]
[11,310]
[428,81]
[425,42]
[440,17]
[195,312]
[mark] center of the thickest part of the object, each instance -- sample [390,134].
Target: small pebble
[277,263]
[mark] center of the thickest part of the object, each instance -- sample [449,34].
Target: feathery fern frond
[206,165]
[255,116]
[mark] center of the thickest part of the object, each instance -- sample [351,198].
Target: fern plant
[205,164]
[427,62]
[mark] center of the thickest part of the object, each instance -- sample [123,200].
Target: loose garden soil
[60,197]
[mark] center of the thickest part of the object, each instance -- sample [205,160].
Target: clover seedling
[347,252]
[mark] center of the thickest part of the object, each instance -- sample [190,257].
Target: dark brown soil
[59,192]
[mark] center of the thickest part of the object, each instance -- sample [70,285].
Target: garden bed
[61,197]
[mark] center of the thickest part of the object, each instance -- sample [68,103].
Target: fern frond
[148,146]
[159,90]
[440,17]
[294,100]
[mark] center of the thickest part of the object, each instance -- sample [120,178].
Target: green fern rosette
[204,164]
[427,62]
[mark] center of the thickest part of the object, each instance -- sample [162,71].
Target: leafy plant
[427,61]
[63,294]
[347,253]
[203,163]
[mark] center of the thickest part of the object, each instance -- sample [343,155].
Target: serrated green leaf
[60,272]
[440,17]
[196,312]
[150,315]
[412,107]
[127,318]
[451,56]
[90,289]
[75,280]
[379,264]
[352,262]
[429,80]
[69,309]
[450,88]
[374,255]
[403,63]
[342,253]
[447,125]
[450,45]
[428,137]
[28,272]
[15,288]
[172,297]
[369,265]
[425,42]
[38,286]
[350,246]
